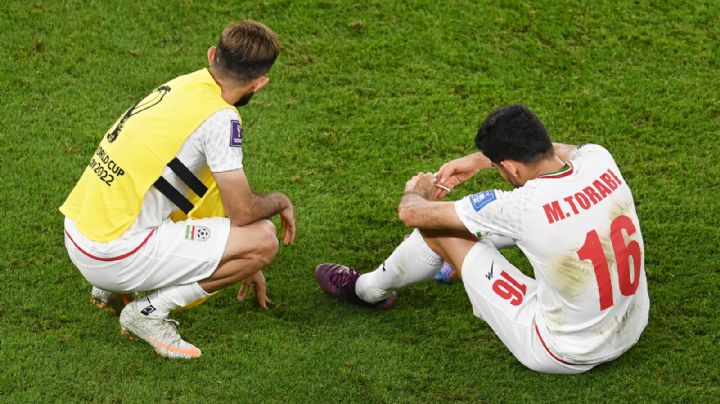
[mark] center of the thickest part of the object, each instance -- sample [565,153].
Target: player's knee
[256,242]
[267,244]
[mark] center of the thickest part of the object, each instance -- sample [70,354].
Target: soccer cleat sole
[127,334]
[132,337]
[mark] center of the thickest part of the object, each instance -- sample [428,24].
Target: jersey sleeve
[222,137]
[492,213]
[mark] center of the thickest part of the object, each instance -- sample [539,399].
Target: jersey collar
[568,170]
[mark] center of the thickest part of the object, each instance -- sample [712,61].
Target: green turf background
[363,96]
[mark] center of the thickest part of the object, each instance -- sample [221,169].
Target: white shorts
[505,298]
[168,255]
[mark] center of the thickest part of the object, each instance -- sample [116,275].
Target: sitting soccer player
[573,216]
[179,150]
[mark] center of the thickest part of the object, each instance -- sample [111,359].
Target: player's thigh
[501,295]
[183,252]
[496,287]
[507,300]
[171,254]
[256,240]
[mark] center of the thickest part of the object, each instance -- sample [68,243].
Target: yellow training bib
[132,155]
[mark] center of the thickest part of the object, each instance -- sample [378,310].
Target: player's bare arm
[564,151]
[243,206]
[418,208]
[455,172]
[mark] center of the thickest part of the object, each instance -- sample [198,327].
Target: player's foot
[160,333]
[112,302]
[447,274]
[339,281]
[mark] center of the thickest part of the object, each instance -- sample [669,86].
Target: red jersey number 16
[509,289]
[625,252]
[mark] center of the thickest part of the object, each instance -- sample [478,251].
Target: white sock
[412,261]
[160,303]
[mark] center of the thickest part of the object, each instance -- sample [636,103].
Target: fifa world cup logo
[143,105]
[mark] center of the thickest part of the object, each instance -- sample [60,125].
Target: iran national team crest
[196,233]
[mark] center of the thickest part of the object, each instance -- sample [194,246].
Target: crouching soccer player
[573,216]
[178,152]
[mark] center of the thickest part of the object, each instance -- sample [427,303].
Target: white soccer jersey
[580,232]
[216,143]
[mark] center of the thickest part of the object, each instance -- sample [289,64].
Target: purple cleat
[447,274]
[339,281]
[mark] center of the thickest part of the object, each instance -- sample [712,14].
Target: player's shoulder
[591,149]
[480,199]
[223,121]
[224,115]
[500,199]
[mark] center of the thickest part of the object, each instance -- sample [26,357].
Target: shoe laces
[169,330]
[343,277]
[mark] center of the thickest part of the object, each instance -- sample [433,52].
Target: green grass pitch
[363,96]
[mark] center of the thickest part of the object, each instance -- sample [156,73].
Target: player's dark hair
[513,133]
[246,50]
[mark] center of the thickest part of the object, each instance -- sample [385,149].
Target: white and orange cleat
[111,301]
[160,333]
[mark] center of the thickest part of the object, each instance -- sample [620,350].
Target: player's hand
[455,172]
[257,280]
[422,184]
[287,222]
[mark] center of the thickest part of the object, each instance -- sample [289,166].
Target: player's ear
[260,83]
[512,168]
[505,166]
[211,54]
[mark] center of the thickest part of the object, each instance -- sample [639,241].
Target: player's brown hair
[246,50]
